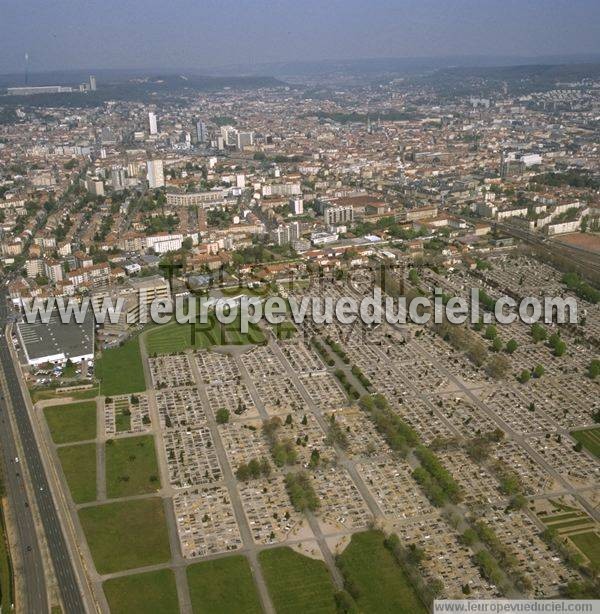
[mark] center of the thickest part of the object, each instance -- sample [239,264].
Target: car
[16,459]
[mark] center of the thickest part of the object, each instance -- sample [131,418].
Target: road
[63,567]
[27,563]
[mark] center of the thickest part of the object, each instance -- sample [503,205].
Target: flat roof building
[56,342]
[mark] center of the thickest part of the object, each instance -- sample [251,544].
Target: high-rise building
[297,206]
[229,134]
[201,134]
[92,83]
[155,175]
[153,123]
[245,139]
[117,178]
[286,233]
[339,215]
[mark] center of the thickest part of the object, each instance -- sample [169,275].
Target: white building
[155,174]
[152,123]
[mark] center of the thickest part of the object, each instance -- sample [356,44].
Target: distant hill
[140,87]
[522,79]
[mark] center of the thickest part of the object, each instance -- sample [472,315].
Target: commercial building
[56,342]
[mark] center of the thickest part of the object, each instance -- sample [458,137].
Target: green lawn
[285,330]
[174,337]
[583,520]
[589,544]
[79,466]
[549,519]
[122,421]
[590,438]
[223,586]
[6,572]
[131,467]
[42,394]
[120,369]
[382,585]
[73,422]
[297,583]
[126,534]
[147,592]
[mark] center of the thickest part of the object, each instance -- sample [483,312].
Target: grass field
[297,583]
[590,438]
[79,466]
[142,593]
[223,586]
[120,370]
[568,524]
[6,573]
[381,583]
[589,544]
[126,534]
[73,422]
[175,337]
[285,330]
[131,467]
[549,518]
[43,394]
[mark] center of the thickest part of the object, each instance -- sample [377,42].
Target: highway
[33,572]
[28,565]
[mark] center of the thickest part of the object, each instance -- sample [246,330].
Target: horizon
[141,36]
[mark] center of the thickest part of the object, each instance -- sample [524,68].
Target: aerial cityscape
[294,331]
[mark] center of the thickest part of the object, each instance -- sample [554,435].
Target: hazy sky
[62,34]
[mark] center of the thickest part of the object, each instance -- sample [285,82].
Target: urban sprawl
[314,465]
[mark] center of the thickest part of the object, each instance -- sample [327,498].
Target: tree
[490,332]
[477,353]
[594,369]
[222,416]
[559,348]
[525,376]
[538,371]
[498,367]
[243,473]
[511,346]
[315,458]
[538,332]
[265,467]
[497,344]
[254,468]
[578,446]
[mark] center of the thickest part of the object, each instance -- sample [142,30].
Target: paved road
[28,565]
[63,567]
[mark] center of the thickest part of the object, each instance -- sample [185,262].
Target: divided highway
[35,591]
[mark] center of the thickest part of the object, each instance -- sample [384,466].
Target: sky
[74,34]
